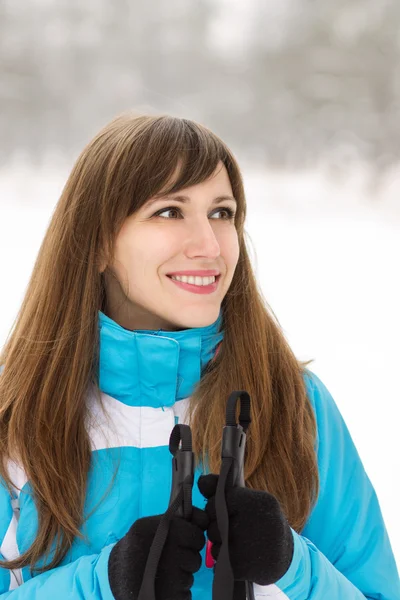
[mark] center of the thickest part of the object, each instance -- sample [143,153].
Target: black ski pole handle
[180,503]
[234,436]
[233,445]
[180,446]
[231,474]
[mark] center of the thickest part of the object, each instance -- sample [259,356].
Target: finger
[207,485]
[200,518]
[189,560]
[231,504]
[211,510]
[186,534]
[213,533]
[215,548]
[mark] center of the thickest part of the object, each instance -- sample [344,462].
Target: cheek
[127,256]
[229,245]
[141,252]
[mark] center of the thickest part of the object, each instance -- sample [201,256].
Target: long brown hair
[51,355]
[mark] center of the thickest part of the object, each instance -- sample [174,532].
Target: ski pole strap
[147,590]
[244,418]
[181,435]
[223,583]
[180,446]
[180,502]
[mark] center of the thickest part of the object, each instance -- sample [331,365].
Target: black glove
[180,557]
[260,539]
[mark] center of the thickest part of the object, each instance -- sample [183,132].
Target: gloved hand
[260,539]
[180,557]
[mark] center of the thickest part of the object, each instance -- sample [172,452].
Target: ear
[101,263]
[103,257]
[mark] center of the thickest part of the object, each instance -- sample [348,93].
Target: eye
[229,212]
[166,210]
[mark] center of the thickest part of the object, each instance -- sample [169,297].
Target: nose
[202,240]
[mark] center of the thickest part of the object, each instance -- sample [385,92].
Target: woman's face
[167,236]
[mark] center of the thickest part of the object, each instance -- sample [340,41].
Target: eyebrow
[186,199]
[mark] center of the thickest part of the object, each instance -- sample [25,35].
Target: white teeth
[194,280]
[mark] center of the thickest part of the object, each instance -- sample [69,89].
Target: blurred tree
[291,82]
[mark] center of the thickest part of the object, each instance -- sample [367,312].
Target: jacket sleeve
[86,577]
[344,551]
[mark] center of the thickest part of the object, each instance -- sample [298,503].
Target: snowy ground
[326,256]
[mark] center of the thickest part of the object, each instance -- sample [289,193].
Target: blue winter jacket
[146,379]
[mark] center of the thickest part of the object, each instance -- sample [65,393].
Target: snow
[326,255]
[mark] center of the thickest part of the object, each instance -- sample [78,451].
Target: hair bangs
[175,154]
[195,159]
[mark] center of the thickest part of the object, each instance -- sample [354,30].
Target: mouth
[197,289]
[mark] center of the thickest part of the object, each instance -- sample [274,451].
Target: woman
[143,311]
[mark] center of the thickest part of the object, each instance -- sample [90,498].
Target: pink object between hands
[210,562]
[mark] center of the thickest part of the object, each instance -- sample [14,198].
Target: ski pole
[231,474]
[180,503]
[182,469]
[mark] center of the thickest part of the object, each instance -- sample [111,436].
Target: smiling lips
[198,273]
[198,284]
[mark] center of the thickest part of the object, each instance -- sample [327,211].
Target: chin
[195,321]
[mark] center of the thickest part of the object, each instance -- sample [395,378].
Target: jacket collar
[153,368]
